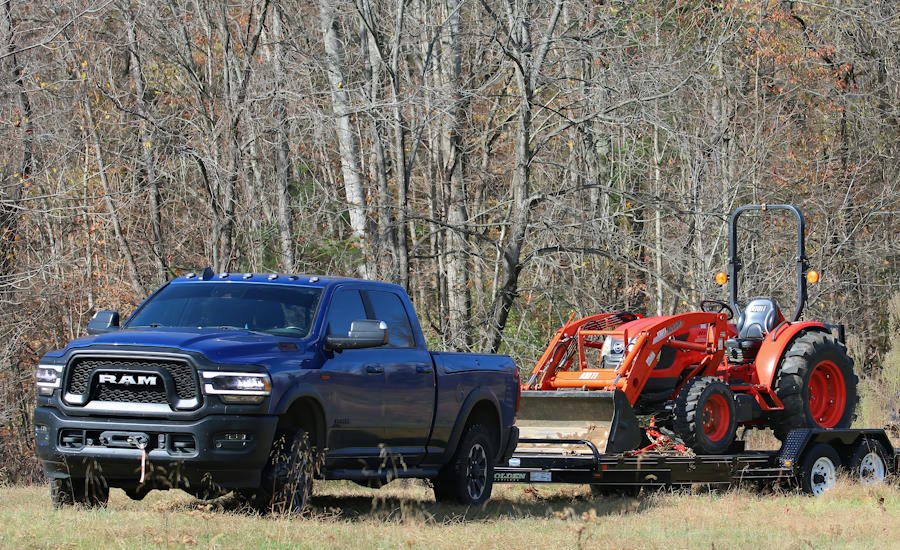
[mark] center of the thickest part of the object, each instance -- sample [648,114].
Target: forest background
[508,162]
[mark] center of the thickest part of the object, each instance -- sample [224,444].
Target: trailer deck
[577,461]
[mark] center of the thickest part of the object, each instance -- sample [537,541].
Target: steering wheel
[717,306]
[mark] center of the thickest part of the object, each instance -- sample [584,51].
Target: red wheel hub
[827,394]
[716,417]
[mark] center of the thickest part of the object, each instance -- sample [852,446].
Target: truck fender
[475,396]
[774,345]
[305,392]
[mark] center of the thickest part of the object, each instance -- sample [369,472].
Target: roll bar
[735,264]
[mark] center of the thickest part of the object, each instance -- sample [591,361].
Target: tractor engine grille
[181,372]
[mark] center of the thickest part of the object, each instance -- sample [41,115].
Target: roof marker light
[223,275]
[314,279]
[248,275]
[190,275]
[273,276]
[292,278]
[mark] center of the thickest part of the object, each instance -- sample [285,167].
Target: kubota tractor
[698,374]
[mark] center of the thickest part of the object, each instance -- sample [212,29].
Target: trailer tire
[469,477]
[869,462]
[815,362]
[818,470]
[704,415]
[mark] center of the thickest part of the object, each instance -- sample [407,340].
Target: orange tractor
[700,374]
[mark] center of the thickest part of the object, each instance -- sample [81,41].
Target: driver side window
[346,307]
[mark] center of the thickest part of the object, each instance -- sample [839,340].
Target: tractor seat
[758,319]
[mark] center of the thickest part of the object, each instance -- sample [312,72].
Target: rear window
[387,307]
[273,309]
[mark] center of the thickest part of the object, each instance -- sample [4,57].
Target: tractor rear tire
[817,385]
[704,415]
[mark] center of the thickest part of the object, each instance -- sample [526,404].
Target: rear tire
[817,385]
[608,491]
[818,470]
[869,463]
[469,477]
[704,415]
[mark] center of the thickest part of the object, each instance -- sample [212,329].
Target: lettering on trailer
[662,333]
[129,380]
[500,477]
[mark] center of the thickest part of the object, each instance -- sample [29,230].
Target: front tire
[817,385]
[469,478]
[287,479]
[92,493]
[704,415]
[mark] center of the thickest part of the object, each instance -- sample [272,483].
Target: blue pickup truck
[260,383]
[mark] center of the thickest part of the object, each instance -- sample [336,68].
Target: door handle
[423,369]
[374,369]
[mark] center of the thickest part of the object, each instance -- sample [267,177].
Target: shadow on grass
[396,504]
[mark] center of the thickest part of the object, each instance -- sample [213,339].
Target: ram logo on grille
[129,380]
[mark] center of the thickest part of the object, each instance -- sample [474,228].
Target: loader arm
[645,340]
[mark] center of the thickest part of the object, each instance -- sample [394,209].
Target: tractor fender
[774,345]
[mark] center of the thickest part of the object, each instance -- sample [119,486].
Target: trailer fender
[774,345]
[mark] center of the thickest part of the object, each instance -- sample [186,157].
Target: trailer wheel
[704,415]
[869,463]
[818,471]
[817,385]
[469,477]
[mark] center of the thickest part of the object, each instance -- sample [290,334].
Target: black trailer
[809,459]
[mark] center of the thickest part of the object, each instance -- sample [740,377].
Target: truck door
[353,384]
[409,378]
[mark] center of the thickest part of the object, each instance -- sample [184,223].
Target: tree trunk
[347,145]
[130,264]
[282,147]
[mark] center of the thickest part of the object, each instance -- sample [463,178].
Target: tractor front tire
[704,415]
[817,385]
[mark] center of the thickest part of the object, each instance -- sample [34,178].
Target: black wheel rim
[476,471]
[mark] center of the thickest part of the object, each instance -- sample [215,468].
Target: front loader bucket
[604,418]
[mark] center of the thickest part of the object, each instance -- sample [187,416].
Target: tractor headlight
[48,378]
[237,387]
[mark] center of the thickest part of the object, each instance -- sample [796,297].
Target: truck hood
[220,346]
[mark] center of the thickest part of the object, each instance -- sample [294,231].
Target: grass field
[404,515]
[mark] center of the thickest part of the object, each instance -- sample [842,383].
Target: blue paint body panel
[402,402]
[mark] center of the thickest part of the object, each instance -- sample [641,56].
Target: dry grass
[404,515]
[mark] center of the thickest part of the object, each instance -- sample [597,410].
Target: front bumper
[226,451]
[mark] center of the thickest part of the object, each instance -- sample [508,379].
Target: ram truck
[259,384]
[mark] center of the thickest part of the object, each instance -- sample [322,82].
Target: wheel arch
[305,412]
[480,405]
[768,359]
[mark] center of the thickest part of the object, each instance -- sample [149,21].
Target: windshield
[273,309]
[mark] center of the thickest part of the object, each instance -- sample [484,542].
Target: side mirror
[103,321]
[364,333]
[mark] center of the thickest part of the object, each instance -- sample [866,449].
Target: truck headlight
[237,387]
[48,378]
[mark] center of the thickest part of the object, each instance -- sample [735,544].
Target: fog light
[41,433]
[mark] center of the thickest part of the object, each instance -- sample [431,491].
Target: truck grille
[181,372]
